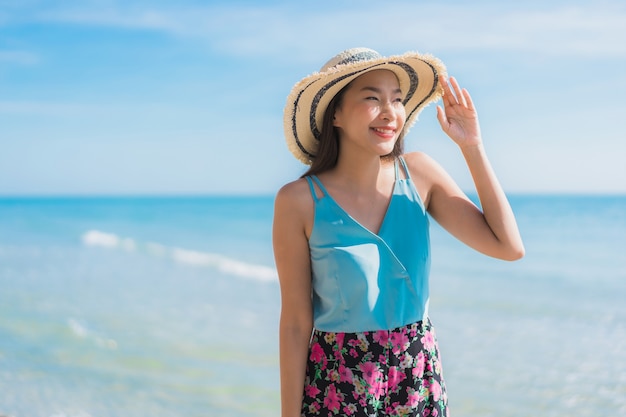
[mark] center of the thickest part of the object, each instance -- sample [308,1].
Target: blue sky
[186,97]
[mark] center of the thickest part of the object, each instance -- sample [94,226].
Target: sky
[137,97]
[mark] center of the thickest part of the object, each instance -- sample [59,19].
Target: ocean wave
[97,238]
[108,240]
[80,330]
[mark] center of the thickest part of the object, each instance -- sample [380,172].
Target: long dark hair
[328,151]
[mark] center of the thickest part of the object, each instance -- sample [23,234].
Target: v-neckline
[352,218]
[383,221]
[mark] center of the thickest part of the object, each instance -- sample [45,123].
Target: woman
[351,238]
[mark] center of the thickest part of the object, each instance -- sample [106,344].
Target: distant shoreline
[218,196]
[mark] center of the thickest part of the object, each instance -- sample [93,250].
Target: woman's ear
[335,121]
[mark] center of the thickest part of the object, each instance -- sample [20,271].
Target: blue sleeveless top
[364,281]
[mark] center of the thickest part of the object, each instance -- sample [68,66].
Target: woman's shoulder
[295,194]
[294,207]
[420,163]
[426,174]
[293,189]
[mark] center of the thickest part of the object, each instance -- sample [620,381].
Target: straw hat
[307,102]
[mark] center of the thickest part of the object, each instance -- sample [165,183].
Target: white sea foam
[82,331]
[77,328]
[108,240]
[78,413]
[219,262]
[224,264]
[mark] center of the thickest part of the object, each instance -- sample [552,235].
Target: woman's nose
[387,111]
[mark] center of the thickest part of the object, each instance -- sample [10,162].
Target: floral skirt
[381,373]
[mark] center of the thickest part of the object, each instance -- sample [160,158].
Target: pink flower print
[381,337]
[406,362]
[353,353]
[392,408]
[370,372]
[428,341]
[339,337]
[399,342]
[333,375]
[414,398]
[314,408]
[311,391]
[349,409]
[332,399]
[317,353]
[420,363]
[435,390]
[377,388]
[345,374]
[395,377]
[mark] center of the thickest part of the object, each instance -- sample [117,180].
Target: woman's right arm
[293,212]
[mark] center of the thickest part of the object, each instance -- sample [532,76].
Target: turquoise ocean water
[169,307]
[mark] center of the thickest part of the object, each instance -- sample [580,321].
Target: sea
[169,306]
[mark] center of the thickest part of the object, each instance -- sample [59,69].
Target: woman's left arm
[492,231]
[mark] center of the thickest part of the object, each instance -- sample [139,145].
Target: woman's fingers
[455,94]
[448,95]
[460,97]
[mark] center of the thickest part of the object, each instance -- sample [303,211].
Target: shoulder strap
[404,167]
[313,178]
[395,167]
[312,187]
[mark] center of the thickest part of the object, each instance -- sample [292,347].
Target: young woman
[351,238]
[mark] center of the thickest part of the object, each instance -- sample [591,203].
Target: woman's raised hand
[458,117]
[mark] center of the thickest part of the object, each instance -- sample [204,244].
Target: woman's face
[371,115]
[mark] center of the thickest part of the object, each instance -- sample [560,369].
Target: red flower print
[370,372]
[311,391]
[317,353]
[332,399]
[339,337]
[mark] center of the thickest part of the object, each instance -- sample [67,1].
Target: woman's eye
[371,98]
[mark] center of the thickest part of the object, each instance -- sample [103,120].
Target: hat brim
[417,75]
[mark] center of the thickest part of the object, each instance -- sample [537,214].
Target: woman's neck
[362,174]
